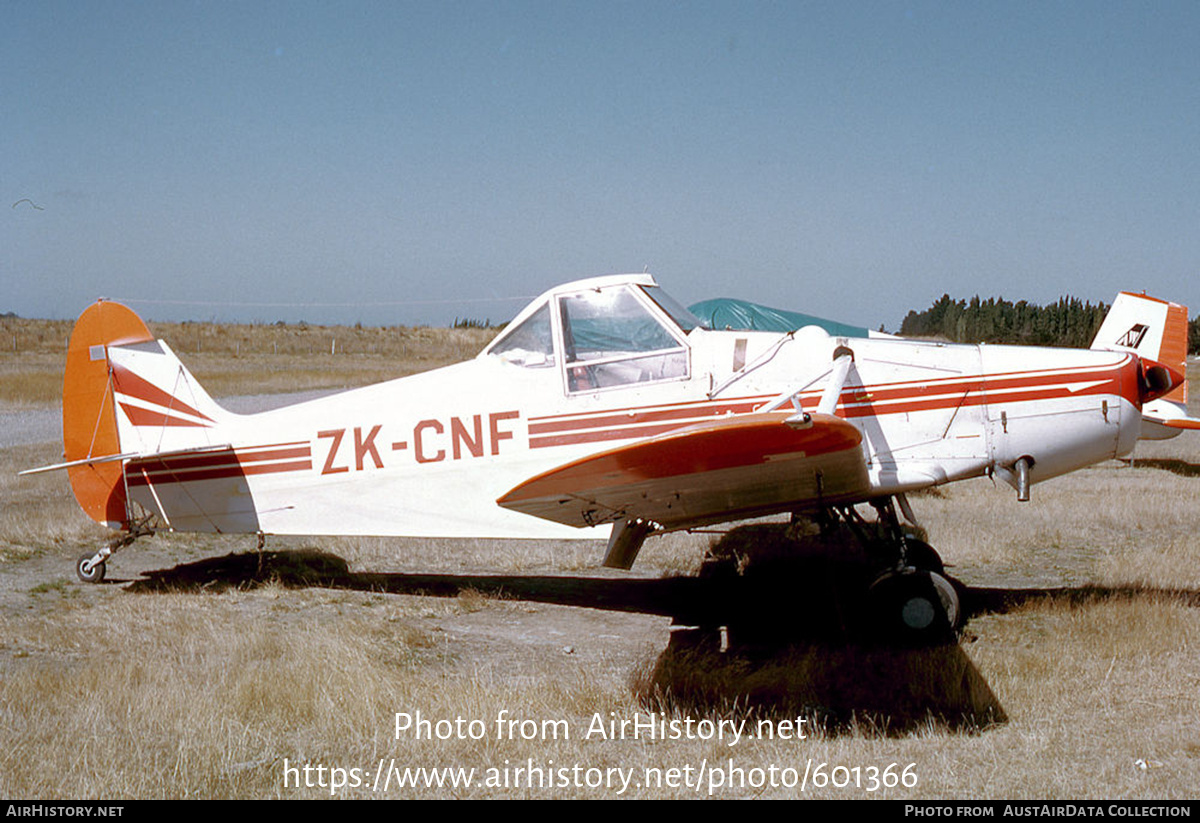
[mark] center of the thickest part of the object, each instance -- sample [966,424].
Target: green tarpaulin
[741,315]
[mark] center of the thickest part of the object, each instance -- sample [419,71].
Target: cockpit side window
[612,338]
[530,344]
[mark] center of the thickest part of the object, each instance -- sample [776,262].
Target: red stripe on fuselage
[974,384]
[688,413]
[601,435]
[856,401]
[284,451]
[284,457]
[223,473]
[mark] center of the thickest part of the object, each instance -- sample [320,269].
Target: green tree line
[1069,322]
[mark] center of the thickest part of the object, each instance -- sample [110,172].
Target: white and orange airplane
[605,409]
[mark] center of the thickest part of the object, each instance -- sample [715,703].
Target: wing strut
[625,542]
[843,359]
[839,372]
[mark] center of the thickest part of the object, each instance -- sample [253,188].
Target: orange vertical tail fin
[1155,330]
[89,416]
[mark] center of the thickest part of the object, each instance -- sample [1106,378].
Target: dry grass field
[248,358]
[229,689]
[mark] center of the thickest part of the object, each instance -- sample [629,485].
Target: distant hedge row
[1069,322]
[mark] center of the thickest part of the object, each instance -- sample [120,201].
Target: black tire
[94,575]
[915,607]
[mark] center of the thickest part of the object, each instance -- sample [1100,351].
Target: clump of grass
[472,600]
[59,586]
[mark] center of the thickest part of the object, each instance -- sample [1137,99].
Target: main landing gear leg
[867,581]
[910,601]
[90,568]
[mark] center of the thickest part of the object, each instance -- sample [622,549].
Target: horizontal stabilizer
[120,458]
[739,466]
[1163,419]
[71,464]
[1190,423]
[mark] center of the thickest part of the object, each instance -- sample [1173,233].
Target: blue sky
[410,162]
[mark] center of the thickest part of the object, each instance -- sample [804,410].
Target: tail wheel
[90,572]
[915,606]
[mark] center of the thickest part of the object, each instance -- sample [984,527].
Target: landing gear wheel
[915,607]
[88,571]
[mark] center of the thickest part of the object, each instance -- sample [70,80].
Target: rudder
[1151,328]
[126,395]
[89,409]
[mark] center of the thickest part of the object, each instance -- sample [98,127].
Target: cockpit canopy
[601,333]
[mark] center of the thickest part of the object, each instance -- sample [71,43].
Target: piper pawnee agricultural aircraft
[606,409]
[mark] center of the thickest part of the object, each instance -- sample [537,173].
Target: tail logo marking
[136,388]
[1133,338]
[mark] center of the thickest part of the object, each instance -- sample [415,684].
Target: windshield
[612,338]
[610,322]
[686,320]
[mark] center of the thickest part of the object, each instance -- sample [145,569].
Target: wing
[740,466]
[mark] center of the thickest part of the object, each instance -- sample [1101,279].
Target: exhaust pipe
[1022,468]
